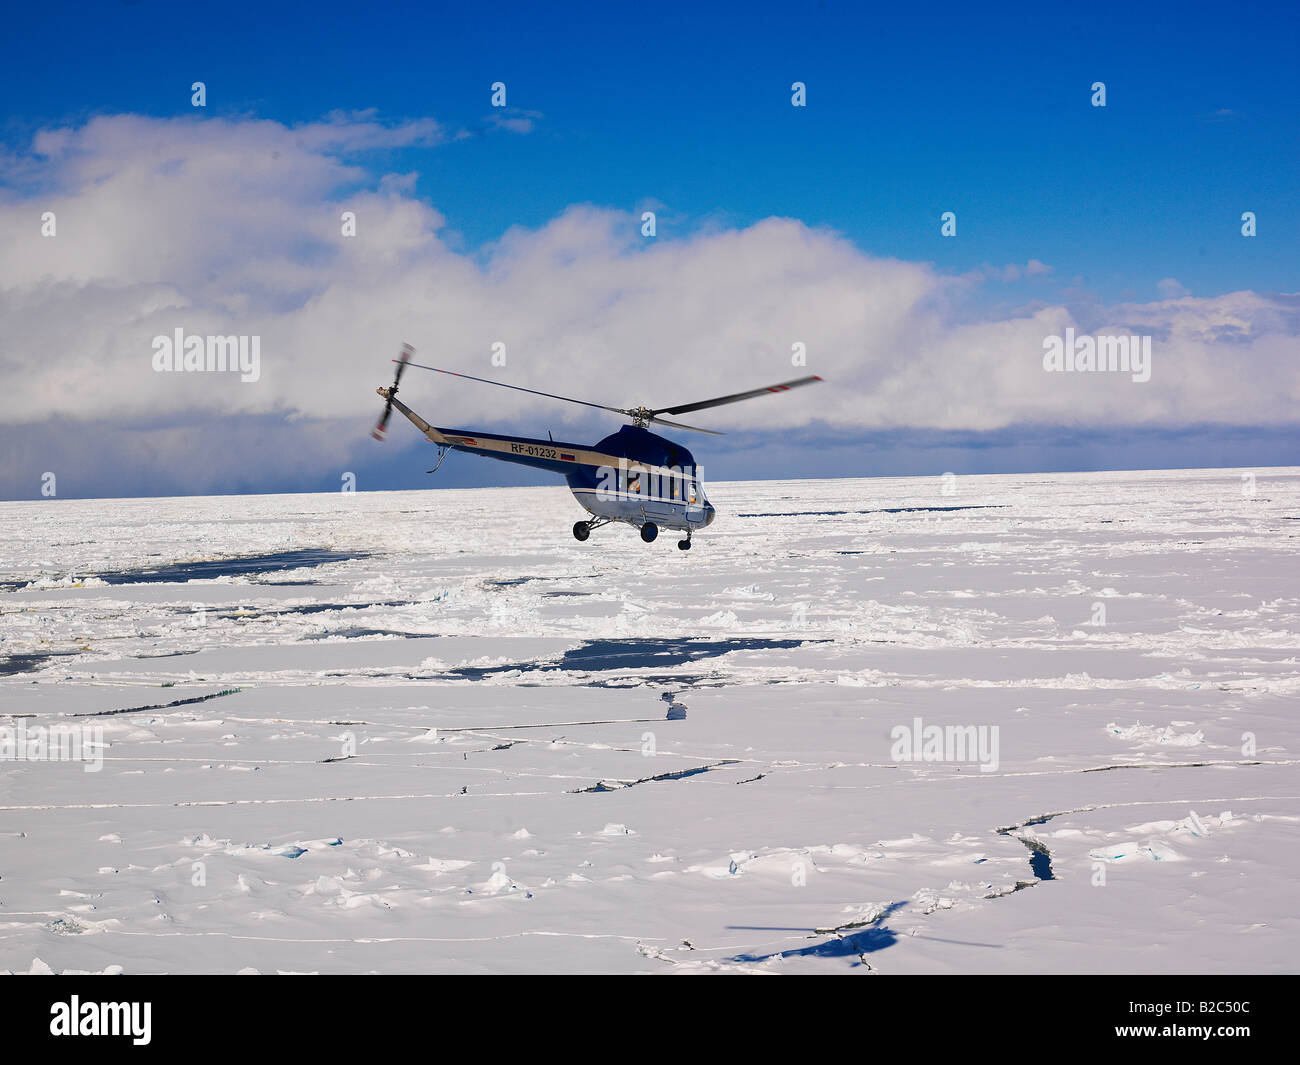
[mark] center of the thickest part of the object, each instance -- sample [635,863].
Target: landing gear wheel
[649,531]
[581,530]
[685,545]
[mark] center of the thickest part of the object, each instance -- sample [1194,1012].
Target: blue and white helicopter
[634,476]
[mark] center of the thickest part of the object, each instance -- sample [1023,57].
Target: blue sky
[687,112]
[944,108]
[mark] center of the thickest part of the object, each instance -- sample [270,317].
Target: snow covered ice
[429,731]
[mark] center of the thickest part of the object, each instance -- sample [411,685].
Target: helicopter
[632,476]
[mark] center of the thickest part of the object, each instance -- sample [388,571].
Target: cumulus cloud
[235,227]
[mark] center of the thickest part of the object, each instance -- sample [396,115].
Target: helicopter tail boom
[553,455]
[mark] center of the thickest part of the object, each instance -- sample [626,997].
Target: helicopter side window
[691,492]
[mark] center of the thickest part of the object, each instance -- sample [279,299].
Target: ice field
[430,731]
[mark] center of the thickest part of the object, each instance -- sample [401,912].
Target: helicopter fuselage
[633,475]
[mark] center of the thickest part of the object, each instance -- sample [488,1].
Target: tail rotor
[381,427]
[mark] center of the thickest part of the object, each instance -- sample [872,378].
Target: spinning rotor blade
[381,426]
[639,415]
[402,361]
[517,388]
[736,398]
[692,428]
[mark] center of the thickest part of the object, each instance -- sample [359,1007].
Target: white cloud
[233,227]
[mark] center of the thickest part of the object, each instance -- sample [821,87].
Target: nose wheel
[582,529]
[684,545]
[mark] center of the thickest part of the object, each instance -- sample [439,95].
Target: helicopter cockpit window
[691,493]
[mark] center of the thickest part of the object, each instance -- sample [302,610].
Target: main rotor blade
[692,428]
[737,397]
[517,388]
